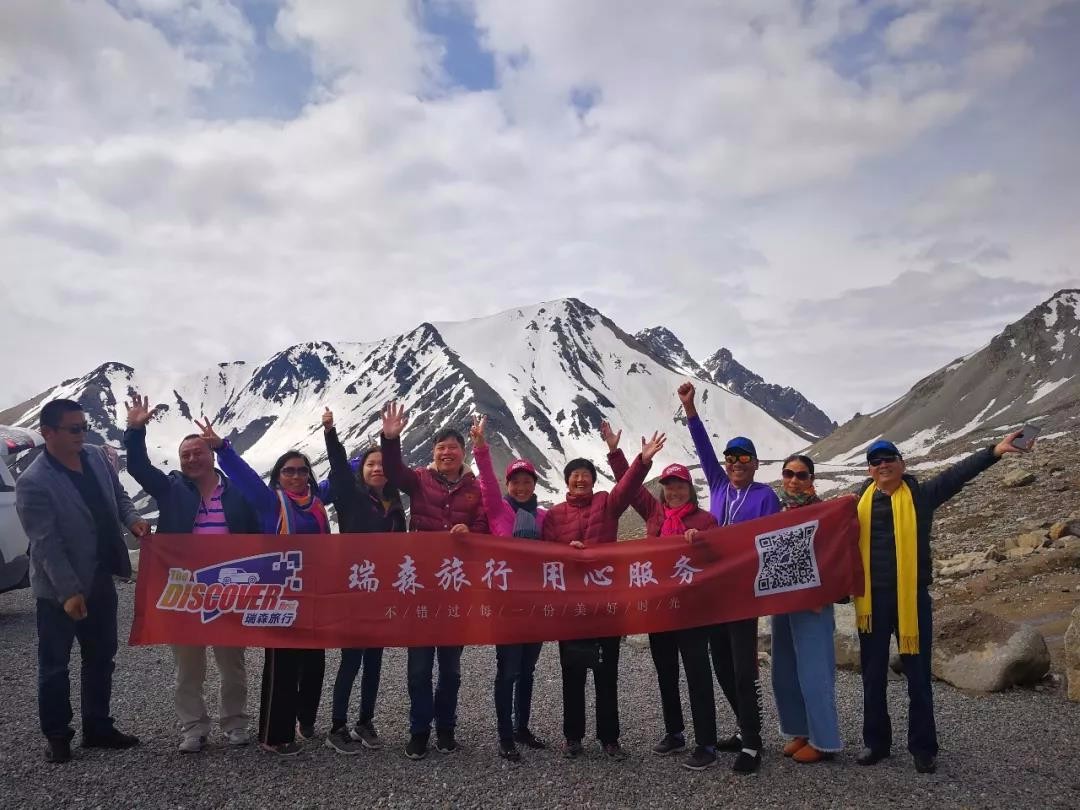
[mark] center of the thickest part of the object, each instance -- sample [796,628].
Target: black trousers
[874,657]
[734,656]
[606,683]
[96,635]
[291,689]
[693,646]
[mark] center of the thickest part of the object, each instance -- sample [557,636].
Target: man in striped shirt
[197,499]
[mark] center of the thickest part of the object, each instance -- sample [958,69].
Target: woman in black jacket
[365,503]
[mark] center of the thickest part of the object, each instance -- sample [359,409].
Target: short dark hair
[579,464]
[52,414]
[449,433]
[191,436]
[275,473]
[809,462]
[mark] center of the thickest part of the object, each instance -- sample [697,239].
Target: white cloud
[911,30]
[727,170]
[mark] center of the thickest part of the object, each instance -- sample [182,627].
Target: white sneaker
[192,744]
[238,736]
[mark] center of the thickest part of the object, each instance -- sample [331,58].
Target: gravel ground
[1009,749]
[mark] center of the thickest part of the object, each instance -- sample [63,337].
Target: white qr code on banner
[786,560]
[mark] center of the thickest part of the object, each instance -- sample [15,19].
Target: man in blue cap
[895,514]
[734,497]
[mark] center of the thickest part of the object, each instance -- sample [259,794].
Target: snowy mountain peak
[663,344]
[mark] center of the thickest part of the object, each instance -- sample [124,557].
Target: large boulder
[982,652]
[1072,655]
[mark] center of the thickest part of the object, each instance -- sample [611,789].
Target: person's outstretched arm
[393,422]
[714,471]
[500,515]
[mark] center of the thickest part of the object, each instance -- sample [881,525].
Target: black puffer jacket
[358,508]
[928,496]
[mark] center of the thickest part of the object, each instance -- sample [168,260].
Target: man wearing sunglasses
[895,514]
[74,510]
[734,497]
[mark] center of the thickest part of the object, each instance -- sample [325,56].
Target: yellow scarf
[905,531]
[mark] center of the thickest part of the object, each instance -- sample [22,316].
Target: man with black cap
[734,497]
[895,515]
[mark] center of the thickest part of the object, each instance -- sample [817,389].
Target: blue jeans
[352,659]
[804,677]
[874,656]
[515,665]
[442,705]
[97,644]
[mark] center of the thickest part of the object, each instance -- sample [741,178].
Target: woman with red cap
[515,515]
[676,514]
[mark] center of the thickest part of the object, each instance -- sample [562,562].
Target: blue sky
[665,162]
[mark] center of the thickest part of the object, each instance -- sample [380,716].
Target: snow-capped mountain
[781,402]
[545,375]
[1029,373]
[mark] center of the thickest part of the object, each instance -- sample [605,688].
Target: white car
[228,576]
[14,546]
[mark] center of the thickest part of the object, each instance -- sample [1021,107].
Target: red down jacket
[594,518]
[435,505]
[651,509]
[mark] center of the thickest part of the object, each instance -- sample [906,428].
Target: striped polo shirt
[210,517]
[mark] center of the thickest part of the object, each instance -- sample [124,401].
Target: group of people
[74,509]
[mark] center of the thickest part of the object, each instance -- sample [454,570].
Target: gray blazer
[63,538]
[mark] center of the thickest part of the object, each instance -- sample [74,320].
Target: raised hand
[476,432]
[686,397]
[651,447]
[139,411]
[611,437]
[393,420]
[208,434]
[1006,445]
[327,420]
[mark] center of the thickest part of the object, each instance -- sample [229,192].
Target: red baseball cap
[521,465]
[676,471]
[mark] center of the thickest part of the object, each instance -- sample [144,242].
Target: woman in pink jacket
[515,515]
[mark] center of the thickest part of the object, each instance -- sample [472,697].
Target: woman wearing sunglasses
[289,504]
[803,656]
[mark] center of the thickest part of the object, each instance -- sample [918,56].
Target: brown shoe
[808,754]
[795,744]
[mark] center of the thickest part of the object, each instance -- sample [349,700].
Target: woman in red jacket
[676,515]
[587,518]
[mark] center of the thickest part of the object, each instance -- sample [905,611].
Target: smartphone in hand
[1026,437]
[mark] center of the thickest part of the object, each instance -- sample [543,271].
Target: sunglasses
[877,461]
[802,475]
[76,430]
[742,458]
[290,472]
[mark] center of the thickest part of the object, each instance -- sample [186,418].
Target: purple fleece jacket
[727,503]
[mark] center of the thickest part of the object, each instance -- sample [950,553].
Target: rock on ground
[977,650]
[1072,655]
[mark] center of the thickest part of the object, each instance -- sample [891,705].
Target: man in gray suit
[73,509]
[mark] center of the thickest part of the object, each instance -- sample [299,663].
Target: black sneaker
[110,739]
[58,750]
[526,738]
[417,747]
[289,749]
[747,761]
[364,732]
[925,763]
[341,741]
[670,744]
[573,749]
[701,759]
[444,741]
[305,733]
[509,751]
[732,744]
[615,751]
[868,756]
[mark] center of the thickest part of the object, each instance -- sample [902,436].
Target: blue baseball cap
[741,443]
[882,448]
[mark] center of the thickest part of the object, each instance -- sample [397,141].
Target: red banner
[434,588]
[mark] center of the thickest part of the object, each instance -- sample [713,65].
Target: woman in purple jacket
[515,515]
[289,504]
[734,497]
